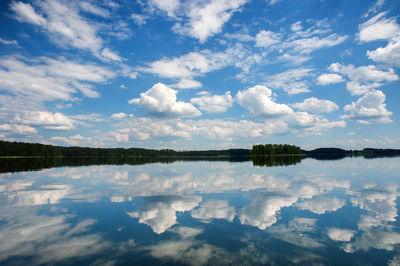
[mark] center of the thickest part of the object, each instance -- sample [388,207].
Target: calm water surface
[313,213]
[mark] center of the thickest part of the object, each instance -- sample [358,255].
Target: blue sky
[207,74]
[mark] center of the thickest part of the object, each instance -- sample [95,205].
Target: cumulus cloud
[321,205]
[186,66]
[53,121]
[376,239]
[326,79]
[258,101]
[168,6]
[47,239]
[17,129]
[267,38]
[380,28]
[315,105]
[160,212]
[262,210]
[389,54]
[190,65]
[218,131]
[160,101]
[75,140]
[378,201]
[214,209]
[214,103]
[338,234]
[205,19]
[363,78]
[364,73]
[370,108]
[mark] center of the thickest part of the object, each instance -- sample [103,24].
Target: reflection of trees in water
[31,164]
[275,160]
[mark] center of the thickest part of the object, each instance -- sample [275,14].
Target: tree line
[24,149]
[273,150]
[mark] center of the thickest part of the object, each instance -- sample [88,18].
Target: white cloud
[321,205]
[214,103]
[109,55]
[192,64]
[90,8]
[50,79]
[169,6]
[187,84]
[296,26]
[374,239]
[294,60]
[76,140]
[214,209]
[370,108]
[273,2]
[380,202]
[262,210]
[374,8]
[219,132]
[338,234]
[7,42]
[363,78]
[17,129]
[243,37]
[26,13]
[355,88]
[365,73]
[378,28]
[308,45]
[292,81]
[65,26]
[47,239]
[118,115]
[186,232]
[205,19]
[185,66]
[160,212]
[389,54]
[315,105]
[258,101]
[53,121]
[139,19]
[160,101]
[326,79]
[267,38]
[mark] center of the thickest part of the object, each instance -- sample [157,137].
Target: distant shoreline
[9,150]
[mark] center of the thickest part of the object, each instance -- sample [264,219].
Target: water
[340,212]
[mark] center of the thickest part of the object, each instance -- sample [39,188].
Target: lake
[341,212]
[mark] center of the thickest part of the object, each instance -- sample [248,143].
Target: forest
[22,149]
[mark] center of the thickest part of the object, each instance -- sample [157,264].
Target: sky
[201,74]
